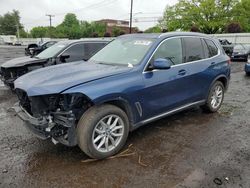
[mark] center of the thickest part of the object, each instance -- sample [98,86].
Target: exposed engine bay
[9,75]
[56,115]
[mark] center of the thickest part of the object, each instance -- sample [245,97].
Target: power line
[92,6]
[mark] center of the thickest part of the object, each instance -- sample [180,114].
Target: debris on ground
[126,153]
[217,181]
[140,162]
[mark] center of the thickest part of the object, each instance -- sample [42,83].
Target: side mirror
[161,63]
[63,57]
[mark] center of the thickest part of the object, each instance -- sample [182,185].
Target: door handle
[182,72]
[212,63]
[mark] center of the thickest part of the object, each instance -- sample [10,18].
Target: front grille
[24,100]
[12,73]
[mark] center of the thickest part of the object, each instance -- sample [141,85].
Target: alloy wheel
[108,133]
[216,97]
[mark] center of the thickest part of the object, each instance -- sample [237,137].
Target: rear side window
[212,49]
[91,48]
[193,49]
[170,49]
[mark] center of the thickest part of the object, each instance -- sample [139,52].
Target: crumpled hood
[55,79]
[21,61]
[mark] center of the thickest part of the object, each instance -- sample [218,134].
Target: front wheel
[102,131]
[215,97]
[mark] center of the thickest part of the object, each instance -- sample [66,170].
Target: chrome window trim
[218,52]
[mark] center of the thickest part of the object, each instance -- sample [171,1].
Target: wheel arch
[122,104]
[223,79]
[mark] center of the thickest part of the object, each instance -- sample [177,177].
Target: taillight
[229,62]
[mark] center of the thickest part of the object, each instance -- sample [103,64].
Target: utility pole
[17,29]
[50,18]
[131,13]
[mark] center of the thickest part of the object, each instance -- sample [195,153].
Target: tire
[214,101]
[247,73]
[90,128]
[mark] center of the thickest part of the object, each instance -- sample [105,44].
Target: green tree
[70,27]
[39,32]
[209,16]
[155,29]
[116,31]
[23,33]
[70,20]
[9,23]
[95,27]
[242,14]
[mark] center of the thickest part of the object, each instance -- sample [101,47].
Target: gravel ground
[189,149]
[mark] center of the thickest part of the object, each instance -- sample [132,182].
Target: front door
[173,88]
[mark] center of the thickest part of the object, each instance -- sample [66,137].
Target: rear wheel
[102,131]
[215,97]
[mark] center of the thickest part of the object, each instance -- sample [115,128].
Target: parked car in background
[241,52]
[134,80]
[34,49]
[61,52]
[247,67]
[227,46]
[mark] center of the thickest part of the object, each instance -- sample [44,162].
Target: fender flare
[216,79]
[122,103]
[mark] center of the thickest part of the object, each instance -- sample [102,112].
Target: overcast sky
[33,12]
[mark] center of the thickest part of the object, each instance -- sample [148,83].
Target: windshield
[123,51]
[52,51]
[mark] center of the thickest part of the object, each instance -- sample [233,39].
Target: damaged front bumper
[60,128]
[7,82]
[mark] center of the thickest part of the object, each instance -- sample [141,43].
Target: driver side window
[170,49]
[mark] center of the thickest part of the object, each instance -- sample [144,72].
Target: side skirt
[149,120]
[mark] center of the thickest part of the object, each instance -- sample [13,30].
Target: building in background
[115,25]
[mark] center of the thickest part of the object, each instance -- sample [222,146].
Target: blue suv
[134,80]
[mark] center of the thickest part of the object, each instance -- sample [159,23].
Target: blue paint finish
[247,68]
[157,91]
[57,78]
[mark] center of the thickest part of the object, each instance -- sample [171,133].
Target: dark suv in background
[241,52]
[61,52]
[34,49]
